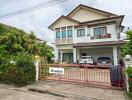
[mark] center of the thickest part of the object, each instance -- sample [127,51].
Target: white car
[87,60]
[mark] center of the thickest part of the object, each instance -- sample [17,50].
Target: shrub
[20,73]
[129,73]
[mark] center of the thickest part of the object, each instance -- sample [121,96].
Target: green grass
[130,95]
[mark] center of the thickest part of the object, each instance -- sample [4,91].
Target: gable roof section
[65,18]
[91,8]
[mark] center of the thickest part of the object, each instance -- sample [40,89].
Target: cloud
[37,21]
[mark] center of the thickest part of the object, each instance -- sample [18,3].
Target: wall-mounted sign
[53,70]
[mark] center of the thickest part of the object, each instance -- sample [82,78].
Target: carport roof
[106,43]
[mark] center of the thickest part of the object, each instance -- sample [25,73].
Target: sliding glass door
[68,57]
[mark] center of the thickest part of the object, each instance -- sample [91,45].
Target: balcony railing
[64,41]
[101,36]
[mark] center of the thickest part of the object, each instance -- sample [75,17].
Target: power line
[7,2]
[3,1]
[36,7]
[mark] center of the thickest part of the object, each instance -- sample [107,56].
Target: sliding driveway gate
[83,74]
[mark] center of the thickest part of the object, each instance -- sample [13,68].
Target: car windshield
[86,57]
[104,58]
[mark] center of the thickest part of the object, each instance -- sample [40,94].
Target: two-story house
[87,31]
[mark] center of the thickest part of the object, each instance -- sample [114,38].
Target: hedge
[129,73]
[19,73]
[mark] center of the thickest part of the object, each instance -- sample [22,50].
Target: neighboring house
[39,40]
[87,31]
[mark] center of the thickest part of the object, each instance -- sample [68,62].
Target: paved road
[9,93]
[59,91]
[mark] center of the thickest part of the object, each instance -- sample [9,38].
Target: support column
[66,35]
[61,56]
[74,55]
[115,55]
[78,54]
[57,54]
[74,34]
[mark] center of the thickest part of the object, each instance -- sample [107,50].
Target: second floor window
[99,31]
[64,34]
[58,34]
[80,32]
[69,33]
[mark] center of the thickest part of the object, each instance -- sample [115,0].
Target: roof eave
[60,18]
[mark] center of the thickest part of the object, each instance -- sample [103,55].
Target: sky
[39,20]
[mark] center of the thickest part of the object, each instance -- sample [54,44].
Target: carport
[98,49]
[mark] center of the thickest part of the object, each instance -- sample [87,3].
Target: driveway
[49,90]
[94,76]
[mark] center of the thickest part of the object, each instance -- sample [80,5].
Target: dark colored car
[104,61]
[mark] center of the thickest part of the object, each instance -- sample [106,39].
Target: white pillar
[57,54]
[66,35]
[74,55]
[115,55]
[60,35]
[37,69]
[54,35]
[78,54]
[74,34]
[61,56]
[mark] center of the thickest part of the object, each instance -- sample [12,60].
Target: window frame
[58,37]
[80,34]
[71,35]
[63,36]
[100,30]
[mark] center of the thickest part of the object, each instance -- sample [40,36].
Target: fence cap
[37,57]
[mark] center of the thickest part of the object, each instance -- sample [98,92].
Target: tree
[17,50]
[127,48]
[13,41]
[45,51]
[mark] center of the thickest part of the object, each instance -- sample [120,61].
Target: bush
[20,73]
[129,73]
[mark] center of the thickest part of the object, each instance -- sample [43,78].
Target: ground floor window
[67,57]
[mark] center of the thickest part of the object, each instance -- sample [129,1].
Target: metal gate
[90,75]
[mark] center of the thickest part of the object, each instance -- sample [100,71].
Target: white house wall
[65,47]
[110,29]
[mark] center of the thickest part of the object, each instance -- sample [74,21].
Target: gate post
[128,63]
[37,60]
